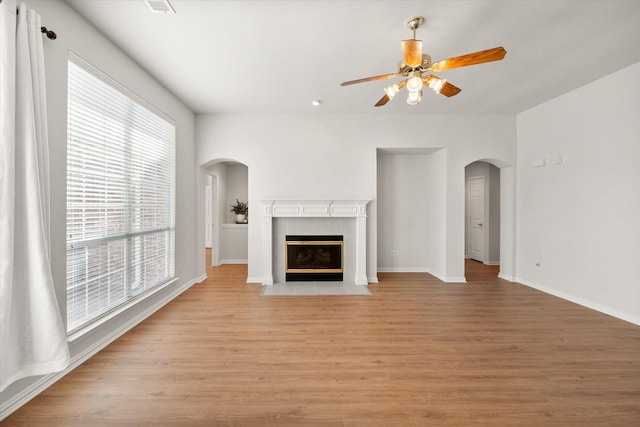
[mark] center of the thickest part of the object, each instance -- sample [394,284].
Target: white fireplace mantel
[291,208]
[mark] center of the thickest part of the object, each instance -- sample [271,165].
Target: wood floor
[418,352]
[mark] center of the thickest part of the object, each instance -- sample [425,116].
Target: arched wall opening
[498,242]
[226,182]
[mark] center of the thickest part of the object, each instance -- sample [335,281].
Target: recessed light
[316,102]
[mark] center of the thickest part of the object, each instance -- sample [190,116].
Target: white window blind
[120,196]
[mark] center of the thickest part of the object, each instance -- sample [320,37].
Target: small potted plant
[241,209]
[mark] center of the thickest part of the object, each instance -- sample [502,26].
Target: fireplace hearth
[314,258]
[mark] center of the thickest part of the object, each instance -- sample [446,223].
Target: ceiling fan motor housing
[412,48]
[412,52]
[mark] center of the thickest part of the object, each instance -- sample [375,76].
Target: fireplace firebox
[314,258]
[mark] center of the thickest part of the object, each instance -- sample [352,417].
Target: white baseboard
[234,261]
[24,396]
[372,279]
[505,277]
[585,303]
[437,276]
[448,279]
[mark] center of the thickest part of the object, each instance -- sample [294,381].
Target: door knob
[479,225]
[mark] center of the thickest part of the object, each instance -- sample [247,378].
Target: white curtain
[33,339]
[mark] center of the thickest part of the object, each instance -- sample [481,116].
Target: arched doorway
[228,181]
[489,209]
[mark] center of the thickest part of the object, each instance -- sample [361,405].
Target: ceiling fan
[415,66]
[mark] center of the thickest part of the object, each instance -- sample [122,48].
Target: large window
[120,196]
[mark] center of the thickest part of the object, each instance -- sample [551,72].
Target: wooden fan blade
[383,101]
[386,98]
[412,52]
[441,85]
[369,79]
[495,54]
[449,90]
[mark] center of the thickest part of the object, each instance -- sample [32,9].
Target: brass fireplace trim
[314,243]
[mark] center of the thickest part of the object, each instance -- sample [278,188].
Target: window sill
[117,311]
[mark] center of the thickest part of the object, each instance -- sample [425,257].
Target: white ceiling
[277,56]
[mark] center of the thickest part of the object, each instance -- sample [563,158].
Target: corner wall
[578,222]
[329,156]
[75,34]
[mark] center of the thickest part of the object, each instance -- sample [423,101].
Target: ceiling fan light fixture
[436,84]
[414,98]
[414,84]
[415,64]
[392,90]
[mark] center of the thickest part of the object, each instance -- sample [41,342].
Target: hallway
[476,272]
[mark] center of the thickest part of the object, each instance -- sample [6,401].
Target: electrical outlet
[538,264]
[395,252]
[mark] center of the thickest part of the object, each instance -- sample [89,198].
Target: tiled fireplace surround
[283,217]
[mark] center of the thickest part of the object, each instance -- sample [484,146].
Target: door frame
[215,221]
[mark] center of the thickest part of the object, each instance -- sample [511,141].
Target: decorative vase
[241,218]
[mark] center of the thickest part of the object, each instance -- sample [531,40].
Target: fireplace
[314,258]
[283,217]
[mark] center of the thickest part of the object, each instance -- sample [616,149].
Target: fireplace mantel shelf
[315,208]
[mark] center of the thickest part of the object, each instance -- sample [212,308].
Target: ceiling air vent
[160,6]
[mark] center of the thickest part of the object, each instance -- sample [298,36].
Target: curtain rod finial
[49,33]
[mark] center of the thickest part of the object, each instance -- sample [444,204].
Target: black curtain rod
[52,35]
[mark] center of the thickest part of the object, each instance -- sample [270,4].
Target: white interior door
[476,218]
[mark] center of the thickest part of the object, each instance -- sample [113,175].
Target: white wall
[237,188]
[77,35]
[402,206]
[581,219]
[411,197]
[233,245]
[494,215]
[436,216]
[220,172]
[334,156]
